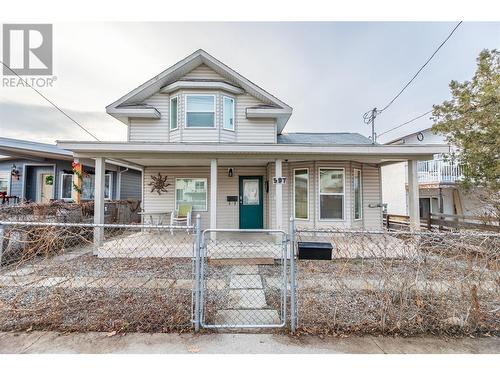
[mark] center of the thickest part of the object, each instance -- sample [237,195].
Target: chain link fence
[244,276]
[52,276]
[400,283]
[145,278]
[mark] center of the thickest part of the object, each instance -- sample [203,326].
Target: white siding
[228,213]
[203,72]
[253,130]
[246,130]
[166,201]
[151,130]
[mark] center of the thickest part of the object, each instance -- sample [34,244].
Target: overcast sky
[330,73]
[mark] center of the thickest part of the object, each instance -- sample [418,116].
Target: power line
[421,68]
[369,116]
[52,103]
[405,123]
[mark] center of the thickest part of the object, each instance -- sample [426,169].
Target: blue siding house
[39,172]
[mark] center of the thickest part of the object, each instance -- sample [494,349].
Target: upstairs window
[173,113]
[228,117]
[200,111]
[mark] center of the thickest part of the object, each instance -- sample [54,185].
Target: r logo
[27,49]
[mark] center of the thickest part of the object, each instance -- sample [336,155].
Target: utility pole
[374,135]
[369,118]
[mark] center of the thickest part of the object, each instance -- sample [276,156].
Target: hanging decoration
[14,172]
[49,180]
[159,184]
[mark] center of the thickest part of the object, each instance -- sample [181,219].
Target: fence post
[2,233]
[293,284]
[197,291]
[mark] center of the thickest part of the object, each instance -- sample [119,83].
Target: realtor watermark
[27,52]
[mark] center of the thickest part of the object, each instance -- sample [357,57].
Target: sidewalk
[96,342]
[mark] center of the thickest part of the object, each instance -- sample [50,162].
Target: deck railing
[438,171]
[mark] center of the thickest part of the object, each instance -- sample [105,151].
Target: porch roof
[163,153]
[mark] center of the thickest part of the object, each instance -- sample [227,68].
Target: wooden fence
[444,222]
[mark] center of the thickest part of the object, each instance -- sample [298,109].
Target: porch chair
[181,216]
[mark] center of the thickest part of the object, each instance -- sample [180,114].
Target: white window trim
[308,216]
[9,179]
[234,112]
[61,184]
[319,194]
[170,113]
[192,178]
[110,187]
[360,195]
[186,112]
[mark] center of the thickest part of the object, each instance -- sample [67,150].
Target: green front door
[251,203]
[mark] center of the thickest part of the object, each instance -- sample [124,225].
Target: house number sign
[279,180]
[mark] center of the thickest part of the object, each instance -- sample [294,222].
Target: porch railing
[438,171]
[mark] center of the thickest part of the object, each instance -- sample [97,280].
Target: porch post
[77,179]
[99,202]
[413,202]
[213,194]
[279,195]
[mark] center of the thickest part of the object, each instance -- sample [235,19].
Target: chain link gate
[242,279]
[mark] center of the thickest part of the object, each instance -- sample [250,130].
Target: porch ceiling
[182,154]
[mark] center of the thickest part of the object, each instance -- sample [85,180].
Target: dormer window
[200,111]
[173,113]
[228,113]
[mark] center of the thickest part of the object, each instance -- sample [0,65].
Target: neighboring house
[208,137]
[39,172]
[438,181]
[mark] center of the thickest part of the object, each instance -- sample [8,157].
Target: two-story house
[208,137]
[438,181]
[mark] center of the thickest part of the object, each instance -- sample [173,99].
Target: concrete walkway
[93,342]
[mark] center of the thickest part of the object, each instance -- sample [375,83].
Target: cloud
[46,124]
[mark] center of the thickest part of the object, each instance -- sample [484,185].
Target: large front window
[88,186]
[331,194]
[358,195]
[200,111]
[191,191]
[301,193]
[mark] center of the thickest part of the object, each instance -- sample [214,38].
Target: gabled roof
[281,110]
[324,139]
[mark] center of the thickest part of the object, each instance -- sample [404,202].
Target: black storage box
[315,250]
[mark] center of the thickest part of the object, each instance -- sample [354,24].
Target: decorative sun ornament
[159,184]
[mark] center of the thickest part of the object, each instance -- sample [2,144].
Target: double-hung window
[228,113]
[331,194]
[301,193]
[66,186]
[191,191]
[200,111]
[173,112]
[358,195]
